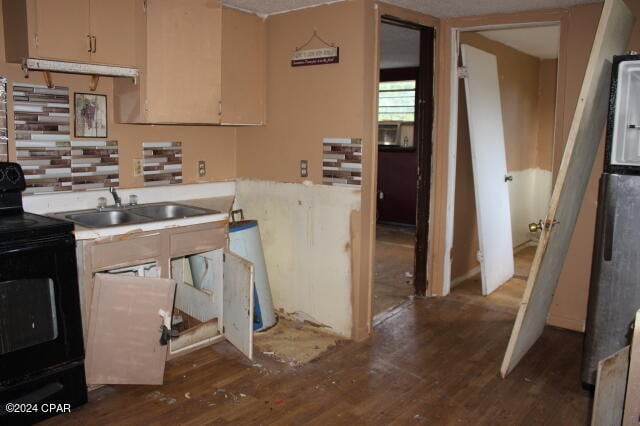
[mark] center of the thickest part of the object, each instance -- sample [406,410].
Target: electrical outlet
[202,168]
[138,167]
[304,168]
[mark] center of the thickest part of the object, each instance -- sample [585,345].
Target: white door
[489,167]
[237,299]
[614,29]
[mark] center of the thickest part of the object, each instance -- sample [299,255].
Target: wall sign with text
[326,55]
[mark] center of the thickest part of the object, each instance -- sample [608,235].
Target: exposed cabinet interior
[197,310]
[124,276]
[71,30]
[200,63]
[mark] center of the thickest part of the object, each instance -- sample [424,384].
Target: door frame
[423,139]
[492,22]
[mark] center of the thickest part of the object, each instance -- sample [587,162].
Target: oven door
[40,322]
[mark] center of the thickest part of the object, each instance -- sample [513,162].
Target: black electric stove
[41,347]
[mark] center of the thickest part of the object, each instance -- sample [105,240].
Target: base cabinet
[141,311]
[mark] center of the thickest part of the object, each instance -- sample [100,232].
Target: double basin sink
[130,215]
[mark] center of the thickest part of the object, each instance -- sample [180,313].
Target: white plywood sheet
[584,137]
[611,385]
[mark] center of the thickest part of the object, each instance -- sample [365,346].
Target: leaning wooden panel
[123,346]
[611,385]
[632,399]
[588,123]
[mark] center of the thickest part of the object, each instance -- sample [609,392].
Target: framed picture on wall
[91,115]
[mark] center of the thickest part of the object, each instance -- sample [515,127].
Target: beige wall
[215,145]
[547,86]
[527,95]
[306,104]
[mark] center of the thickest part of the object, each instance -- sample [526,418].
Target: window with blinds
[397,100]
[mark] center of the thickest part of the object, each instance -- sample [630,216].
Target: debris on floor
[294,342]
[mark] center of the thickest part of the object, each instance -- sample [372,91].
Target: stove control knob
[12,174]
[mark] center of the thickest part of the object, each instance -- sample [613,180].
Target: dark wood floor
[432,361]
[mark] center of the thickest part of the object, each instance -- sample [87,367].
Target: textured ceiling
[542,42]
[438,8]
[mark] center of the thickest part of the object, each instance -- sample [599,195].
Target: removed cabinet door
[123,346]
[237,310]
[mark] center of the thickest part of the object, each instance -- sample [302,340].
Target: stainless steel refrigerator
[614,292]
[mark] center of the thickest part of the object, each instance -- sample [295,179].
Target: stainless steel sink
[105,218]
[133,214]
[170,211]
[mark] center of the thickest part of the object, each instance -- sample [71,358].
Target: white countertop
[212,195]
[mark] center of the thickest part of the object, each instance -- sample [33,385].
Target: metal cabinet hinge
[463,72]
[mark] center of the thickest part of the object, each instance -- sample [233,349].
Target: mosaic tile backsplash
[42,136]
[3,120]
[162,163]
[50,159]
[94,164]
[342,162]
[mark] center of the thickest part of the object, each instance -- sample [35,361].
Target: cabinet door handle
[90,43]
[95,44]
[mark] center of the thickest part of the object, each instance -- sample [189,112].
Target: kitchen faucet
[116,198]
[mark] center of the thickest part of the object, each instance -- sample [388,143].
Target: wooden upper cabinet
[95,31]
[112,24]
[200,63]
[243,68]
[179,50]
[61,29]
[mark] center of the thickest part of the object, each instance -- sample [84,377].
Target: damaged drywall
[306,238]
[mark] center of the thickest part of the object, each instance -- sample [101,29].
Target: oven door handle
[14,247]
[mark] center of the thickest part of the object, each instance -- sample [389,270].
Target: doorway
[405,114]
[527,61]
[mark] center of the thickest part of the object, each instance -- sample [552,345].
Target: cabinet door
[237,308]
[243,68]
[112,23]
[61,29]
[123,345]
[183,61]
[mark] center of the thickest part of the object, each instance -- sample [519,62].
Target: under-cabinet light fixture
[32,64]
